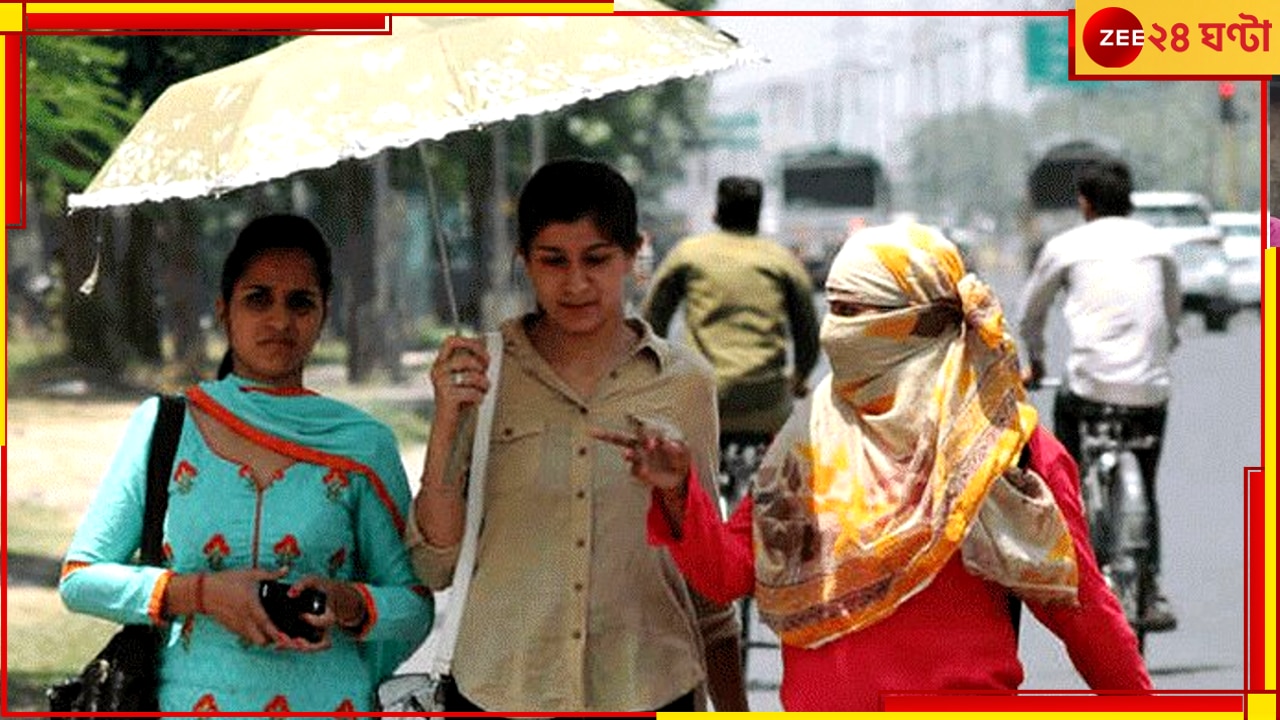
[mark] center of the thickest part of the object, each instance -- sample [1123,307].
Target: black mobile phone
[286,612]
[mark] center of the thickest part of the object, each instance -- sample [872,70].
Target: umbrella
[315,101]
[320,99]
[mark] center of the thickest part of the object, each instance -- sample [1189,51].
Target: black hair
[275,232]
[568,190]
[1106,184]
[738,204]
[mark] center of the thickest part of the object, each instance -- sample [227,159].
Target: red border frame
[15,114]
[1057,702]
[299,22]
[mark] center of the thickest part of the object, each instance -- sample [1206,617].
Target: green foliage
[154,62]
[75,113]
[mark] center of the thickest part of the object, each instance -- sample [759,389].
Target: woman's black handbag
[124,676]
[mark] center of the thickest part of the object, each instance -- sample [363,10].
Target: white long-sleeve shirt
[1122,307]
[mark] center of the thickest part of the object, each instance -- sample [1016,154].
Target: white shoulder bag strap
[462,572]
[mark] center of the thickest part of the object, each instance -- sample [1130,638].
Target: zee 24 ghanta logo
[1114,37]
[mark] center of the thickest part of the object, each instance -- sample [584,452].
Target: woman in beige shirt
[570,609]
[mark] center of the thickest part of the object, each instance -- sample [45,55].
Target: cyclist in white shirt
[1121,305]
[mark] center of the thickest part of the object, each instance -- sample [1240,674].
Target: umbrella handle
[459,459]
[437,227]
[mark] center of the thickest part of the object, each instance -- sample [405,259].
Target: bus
[1051,193]
[827,194]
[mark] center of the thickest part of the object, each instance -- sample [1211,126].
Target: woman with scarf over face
[906,506]
[270,481]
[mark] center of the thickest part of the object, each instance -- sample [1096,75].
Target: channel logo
[1113,37]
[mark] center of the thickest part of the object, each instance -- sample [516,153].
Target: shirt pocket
[516,453]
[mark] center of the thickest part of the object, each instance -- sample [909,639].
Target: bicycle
[1115,505]
[740,459]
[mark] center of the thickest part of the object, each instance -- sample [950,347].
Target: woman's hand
[458,376]
[656,458]
[344,607]
[231,598]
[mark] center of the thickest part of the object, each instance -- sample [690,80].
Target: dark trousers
[1068,409]
[457,702]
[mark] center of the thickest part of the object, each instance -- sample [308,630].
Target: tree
[75,115]
[969,164]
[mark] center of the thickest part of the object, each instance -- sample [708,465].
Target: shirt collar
[515,340]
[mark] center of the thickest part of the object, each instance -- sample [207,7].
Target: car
[1183,219]
[1242,243]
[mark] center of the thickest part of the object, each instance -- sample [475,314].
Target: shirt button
[582,451]
[577,634]
[577,587]
[581,543]
[583,410]
[613,375]
[581,494]
[506,432]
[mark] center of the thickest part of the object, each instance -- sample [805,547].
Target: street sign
[1047,42]
[734,131]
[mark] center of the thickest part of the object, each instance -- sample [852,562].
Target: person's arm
[97,577]
[802,319]
[1098,639]
[717,621]
[434,535]
[1046,278]
[715,557]
[665,292]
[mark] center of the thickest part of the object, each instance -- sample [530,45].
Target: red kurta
[955,634]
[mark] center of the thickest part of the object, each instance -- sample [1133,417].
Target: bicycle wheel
[1095,484]
[1131,543]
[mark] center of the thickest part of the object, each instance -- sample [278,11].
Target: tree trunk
[388,251]
[359,271]
[89,319]
[177,233]
[141,313]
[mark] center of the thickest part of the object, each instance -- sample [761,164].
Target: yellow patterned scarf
[875,481]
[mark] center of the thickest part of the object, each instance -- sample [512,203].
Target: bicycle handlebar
[1045,383]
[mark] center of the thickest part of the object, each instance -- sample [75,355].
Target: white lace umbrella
[323,98]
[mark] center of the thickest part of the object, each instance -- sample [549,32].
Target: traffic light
[1226,102]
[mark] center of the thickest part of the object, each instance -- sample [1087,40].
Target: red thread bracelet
[200,594]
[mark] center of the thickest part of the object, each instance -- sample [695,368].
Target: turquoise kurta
[338,511]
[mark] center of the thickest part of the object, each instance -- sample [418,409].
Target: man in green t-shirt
[745,297]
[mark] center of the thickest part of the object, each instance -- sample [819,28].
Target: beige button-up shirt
[570,608]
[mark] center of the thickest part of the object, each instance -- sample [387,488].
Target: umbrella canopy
[320,99]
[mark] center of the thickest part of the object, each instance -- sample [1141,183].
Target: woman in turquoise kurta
[270,481]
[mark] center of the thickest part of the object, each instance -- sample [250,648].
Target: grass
[409,426]
[35,529]
[46,642]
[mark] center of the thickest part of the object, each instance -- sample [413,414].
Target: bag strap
[462,572]
[164,446]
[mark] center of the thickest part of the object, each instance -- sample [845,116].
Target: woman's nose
[577,276]
[279,315]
